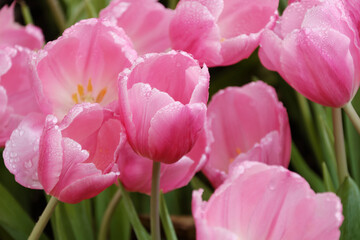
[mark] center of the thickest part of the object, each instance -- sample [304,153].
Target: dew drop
[21,132]
[28,164]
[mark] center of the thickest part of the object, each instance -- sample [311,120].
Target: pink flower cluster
[109,97]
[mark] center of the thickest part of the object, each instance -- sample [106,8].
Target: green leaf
[60,224]
[73,221]
[326,142]
[120,227]
[165,220]
[196,183]
[139,229]
[79,216]
[304,170]
[350,199]
[353,143]
[13,219]
[327,179]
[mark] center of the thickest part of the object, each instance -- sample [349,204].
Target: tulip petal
[146,22]
[21,152]
[173,125]
[51,154]
[12,33]
[193,29]
[80,180]
[325,77]
[245,17]
[175,73]
[268,202]
[144,103]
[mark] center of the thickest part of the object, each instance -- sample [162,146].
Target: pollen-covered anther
[238,151]
[86,95]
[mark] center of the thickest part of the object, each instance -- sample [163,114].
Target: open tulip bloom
[79,67]
[246,121]
[261,202]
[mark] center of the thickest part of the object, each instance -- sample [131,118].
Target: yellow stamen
[231,160]
[238,151]
[101,95]
[89,86]
[75,98]
[80,90]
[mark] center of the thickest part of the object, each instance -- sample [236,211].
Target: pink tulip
[245,122]
[260,202]
[315,48]
[221,32]
[162,102]
[79,68]
[12,33]
[146,22]
[74,159]
[82,66]
[136,171]
[16,94]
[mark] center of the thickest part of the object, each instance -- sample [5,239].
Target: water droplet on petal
[28,164]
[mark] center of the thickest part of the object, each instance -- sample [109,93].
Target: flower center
[87,95]
[238,151]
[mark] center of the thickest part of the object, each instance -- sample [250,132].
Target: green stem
[309,126]
[154,202]
[26,13]
[172,4]
[43,220]
[90,9]
[339,145]
[353,116]
[108,214]
[58,14]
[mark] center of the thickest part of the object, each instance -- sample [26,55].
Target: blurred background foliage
[312,152]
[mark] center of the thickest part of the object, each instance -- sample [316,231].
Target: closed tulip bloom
[12,33]
[16,94]
[146,22]
[245,122]
[261,202]
[221,32]
[162,102]
[315,48]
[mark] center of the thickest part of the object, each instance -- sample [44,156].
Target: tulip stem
[172,4]
[108,214]
[58,14]
[154,202]
[44,219]
[353,116]
[339,145]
